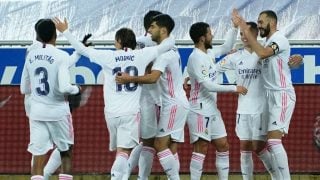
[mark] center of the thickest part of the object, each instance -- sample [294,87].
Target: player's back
[171,80]
[123,99]
[43,65]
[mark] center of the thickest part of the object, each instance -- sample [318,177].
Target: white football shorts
[279,109]
[43,134]
[172,121]
[123,131]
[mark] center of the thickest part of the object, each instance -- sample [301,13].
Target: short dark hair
[46,30]
[270,14]
[127,38]
[164,20]
[37,23]
[147,20]
[197,30]
[253,27]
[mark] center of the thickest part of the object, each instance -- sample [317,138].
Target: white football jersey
[150,92]
[121,99]
[46,77]
[145,41]
[201,67]
[275,69]
[171,79]
[248,74]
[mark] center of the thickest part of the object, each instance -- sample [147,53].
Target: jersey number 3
[43,88]
[133,71]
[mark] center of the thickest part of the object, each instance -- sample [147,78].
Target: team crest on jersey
[204,71]
[222,62]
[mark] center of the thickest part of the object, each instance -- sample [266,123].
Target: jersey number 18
[133,71]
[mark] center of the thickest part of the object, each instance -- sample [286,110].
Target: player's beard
[156,37]
[264,32]
[208,44]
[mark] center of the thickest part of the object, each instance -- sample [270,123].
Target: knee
[66,154]
[160,145]
[222,146]
[201,146]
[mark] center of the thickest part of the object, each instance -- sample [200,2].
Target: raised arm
[230,40]
[262,52]
[96,56]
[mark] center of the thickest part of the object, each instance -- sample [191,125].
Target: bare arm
[262,52]
[151,78]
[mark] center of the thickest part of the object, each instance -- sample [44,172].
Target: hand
[295,61]
[242,90]
[85,39]
[61,26]
[234,19]
[237,19]
[122,78]
[232,51]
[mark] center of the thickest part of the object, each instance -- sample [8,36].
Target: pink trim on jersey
[164,154]
[71,132]
[173,112]
[170,84]
[282,77]
[200,123]
[284,101]
[194,96]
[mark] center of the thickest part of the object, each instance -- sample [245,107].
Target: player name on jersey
[124,58]
[41,57]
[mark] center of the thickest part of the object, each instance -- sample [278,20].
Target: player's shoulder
[196,54]
[280,37]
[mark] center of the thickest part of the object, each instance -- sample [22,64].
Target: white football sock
[222,165]
[167,162]
[196,165]
[246,165]
[120,166]
[52,165]
[145,162]
[266,158]
[280,157]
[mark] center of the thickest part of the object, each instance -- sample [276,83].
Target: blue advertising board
[85,72]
